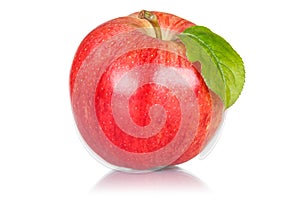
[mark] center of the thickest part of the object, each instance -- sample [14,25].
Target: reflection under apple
[173,179]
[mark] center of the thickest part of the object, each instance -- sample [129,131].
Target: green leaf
[221,66]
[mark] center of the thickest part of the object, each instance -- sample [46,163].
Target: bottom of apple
[133,169]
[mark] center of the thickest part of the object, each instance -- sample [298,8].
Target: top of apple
[221,66]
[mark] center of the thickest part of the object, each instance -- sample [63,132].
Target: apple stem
[151,17]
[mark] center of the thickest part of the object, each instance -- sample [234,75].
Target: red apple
[138,102]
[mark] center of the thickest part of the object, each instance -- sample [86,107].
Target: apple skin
[138,102]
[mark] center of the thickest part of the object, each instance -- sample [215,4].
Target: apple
[138,102]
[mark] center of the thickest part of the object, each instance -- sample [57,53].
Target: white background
[41,156]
